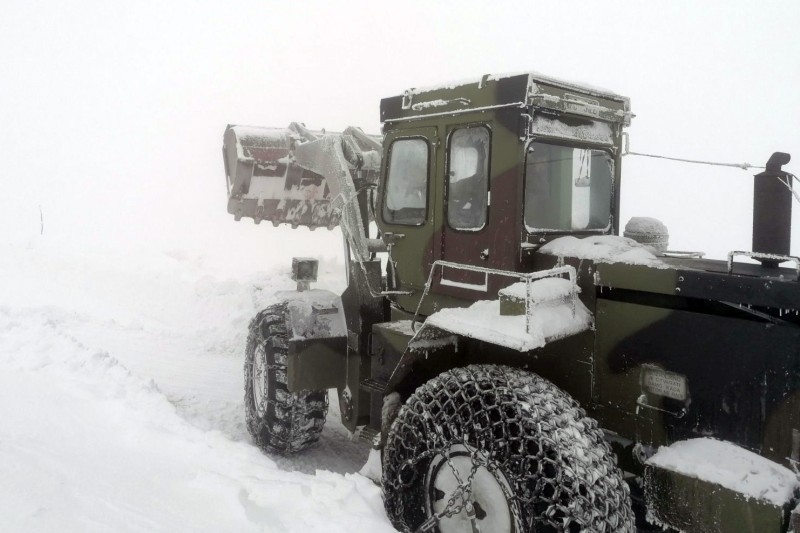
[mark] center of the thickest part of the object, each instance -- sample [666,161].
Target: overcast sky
[112,113]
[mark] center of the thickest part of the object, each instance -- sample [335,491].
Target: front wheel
[491,448]
[278,420]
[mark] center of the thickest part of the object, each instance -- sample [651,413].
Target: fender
[317,339]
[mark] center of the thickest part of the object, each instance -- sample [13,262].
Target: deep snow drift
[121,401]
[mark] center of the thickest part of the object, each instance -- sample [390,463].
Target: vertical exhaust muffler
[772,211]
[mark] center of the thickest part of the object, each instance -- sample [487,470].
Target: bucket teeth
[262,168]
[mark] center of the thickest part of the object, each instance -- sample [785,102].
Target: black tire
[549,461]
[278,420]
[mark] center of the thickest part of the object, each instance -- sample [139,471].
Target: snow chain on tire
[283,422]
[561,471]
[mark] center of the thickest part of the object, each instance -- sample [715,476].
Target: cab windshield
[567,188]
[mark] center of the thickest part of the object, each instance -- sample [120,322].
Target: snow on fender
[711,485]
[314,314]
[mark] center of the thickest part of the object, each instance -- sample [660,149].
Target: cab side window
[468,178]
[406,200]
[567,188]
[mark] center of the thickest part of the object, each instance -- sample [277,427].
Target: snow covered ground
[121,401]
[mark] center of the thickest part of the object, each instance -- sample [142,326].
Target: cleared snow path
[121,402]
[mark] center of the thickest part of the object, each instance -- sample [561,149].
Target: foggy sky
[112,113]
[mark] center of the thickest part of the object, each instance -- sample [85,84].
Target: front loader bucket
[265,182]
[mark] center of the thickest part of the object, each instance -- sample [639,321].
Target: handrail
[527,277]
[769,257]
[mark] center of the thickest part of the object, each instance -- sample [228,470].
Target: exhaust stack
[772,210]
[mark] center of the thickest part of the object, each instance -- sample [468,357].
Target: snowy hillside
[121,401]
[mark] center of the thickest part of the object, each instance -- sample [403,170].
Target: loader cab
[482,174]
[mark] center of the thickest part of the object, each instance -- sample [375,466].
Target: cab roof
[508,90]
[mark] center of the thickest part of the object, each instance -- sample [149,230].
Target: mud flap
[317,340]
[317,364]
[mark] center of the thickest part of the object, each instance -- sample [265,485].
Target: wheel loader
[517,364]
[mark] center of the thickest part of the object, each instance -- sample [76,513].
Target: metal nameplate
[581,105]
[663,383]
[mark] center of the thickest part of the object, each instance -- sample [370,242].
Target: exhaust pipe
[772,210]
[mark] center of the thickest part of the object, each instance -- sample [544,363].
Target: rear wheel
[278,420]
[505,451]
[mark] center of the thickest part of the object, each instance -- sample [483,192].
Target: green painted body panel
[691,504]
[316,364]
[740,375]
[391,337]
[415,249]
[618,389]
[389,342]
[636,277]
[568,362]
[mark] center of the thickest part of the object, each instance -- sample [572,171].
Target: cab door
[406,214]
[478,210]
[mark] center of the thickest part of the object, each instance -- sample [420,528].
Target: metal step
[368,434]
[373,385]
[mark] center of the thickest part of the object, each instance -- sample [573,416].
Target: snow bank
[121,402]
[603,249]
[86,446]
[732,467]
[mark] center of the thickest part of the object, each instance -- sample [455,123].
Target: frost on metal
[533,78]
[593,132]
[730,466]
[404,327]
[483,321]
[546,289]
[489,320]
[579,488]
[603,249]
[297,176]
[646,226]
[431,103]
[314,314]
[650,232]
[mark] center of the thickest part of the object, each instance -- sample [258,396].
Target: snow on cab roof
[533,77]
